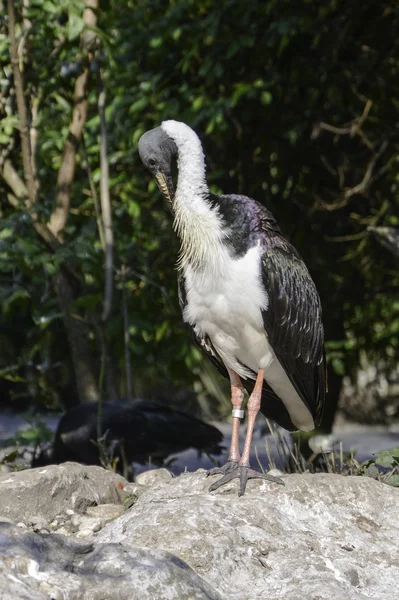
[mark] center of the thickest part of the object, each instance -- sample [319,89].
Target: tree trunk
[76,330]
[331,407]
[334,330]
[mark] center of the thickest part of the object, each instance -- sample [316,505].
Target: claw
[243,473]
[230,466]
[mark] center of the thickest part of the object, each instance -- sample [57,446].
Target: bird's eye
[151,162]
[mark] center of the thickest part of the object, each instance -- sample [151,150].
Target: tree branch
[21,198]
[22,112]
[388,237]
[105,202]
[360,188]
[33,133]
[363,186]
[66,173]
[128,367]
[94,196]
[352,129]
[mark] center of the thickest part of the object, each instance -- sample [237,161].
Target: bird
[245,292]
[138,429]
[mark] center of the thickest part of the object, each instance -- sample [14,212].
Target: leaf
[266,97]
[61,101]
[43,321]
[162,331]
[176,34]
[91,301]
[387,458]
[28,435]
[6,233]
[50,7]
[198,103]
[13,378]
[393,480]
[139,105]
[133,209]
[371,471]
[75,25]
[241,89]
[9,458]
[156,42]
[20,294]
[338,366]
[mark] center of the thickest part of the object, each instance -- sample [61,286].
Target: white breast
[225,303]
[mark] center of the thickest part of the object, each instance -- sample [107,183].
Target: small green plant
[26,445]
[384,467]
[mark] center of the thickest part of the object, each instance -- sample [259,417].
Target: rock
[275,473]
[106,511]
[37,523]
[6,520]
[131,492]
[324,537]
[319,537]
[85,532]
[154,477]
[44,492]
[81,525]
[38,567]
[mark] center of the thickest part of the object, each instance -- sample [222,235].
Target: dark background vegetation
[296,103]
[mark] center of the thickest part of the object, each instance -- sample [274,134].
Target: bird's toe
[230,466]
[243,473]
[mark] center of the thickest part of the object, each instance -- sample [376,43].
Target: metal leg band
[237,412]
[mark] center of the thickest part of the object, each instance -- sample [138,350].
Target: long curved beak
[165,184]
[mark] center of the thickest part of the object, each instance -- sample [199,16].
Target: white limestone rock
[324,537]
[45,492]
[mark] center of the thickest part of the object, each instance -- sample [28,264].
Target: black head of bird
[157,150]
[245,292]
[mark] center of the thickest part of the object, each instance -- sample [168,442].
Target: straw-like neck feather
[197,222]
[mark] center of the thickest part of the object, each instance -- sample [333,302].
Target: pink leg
[237,398]
[242,470]
[253,409]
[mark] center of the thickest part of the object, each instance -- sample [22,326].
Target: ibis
[245,292]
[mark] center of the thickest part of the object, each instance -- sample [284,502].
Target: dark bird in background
[145,429]
[245,292]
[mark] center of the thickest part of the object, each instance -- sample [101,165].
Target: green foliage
[388,458]
[259,81]
[27,443]
[384,468]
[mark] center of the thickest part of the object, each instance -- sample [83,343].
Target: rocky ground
[70,532]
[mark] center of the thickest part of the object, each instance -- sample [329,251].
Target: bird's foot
[242,473]
[230,466]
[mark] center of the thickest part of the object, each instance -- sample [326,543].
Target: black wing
[272,407]
[293,321]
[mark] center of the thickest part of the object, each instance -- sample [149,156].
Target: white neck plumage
[198,224]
